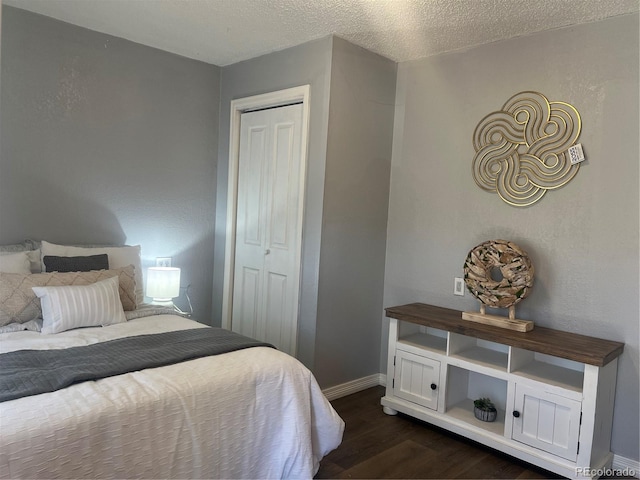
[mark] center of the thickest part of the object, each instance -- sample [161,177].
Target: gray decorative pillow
[32,244]
[16,247]
[54,263]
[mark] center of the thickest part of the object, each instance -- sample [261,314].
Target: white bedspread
[254,413]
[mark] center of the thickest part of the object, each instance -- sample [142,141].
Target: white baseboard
[625,466]
[354,386]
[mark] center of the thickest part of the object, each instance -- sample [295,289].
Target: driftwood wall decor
[527,148]
[499,273]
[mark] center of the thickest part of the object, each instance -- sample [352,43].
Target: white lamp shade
[163,283]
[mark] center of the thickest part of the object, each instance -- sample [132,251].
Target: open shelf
[480,352]
[464,386]
[549,370]
[423,338]
[485,357]
[463,411]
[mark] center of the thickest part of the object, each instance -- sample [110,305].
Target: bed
[254,412]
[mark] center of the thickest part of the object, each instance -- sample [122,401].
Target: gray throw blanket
[31,372]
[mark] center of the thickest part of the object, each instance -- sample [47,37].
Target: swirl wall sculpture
[521,150]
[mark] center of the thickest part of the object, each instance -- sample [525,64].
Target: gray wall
[354,225]
[346,204]
[582,238]
[305,64]
[108,141]
[103,140]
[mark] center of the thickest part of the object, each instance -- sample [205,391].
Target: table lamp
[163,285]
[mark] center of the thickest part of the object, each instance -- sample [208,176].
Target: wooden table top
[571,346]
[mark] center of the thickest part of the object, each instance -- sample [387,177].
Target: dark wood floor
[376,445]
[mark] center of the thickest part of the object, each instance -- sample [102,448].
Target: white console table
[554,390]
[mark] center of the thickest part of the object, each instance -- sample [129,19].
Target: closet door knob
[516,413]
[433,386]
[267,251]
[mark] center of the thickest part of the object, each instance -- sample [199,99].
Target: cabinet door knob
[433,386]
[267,251]
[516,413]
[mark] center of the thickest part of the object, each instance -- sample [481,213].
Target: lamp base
[165,302]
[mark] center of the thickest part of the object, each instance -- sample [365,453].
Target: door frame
[267,100]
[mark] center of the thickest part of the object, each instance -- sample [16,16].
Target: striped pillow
[75,306]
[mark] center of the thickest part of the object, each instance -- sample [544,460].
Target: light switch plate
[576,155]
[458,286]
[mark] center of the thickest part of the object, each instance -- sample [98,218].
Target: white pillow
[75,306]
[17,262]
[119,257]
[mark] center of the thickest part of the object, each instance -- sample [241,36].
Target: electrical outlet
[163,261]
[458,286]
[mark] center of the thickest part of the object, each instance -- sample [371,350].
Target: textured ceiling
[223,32]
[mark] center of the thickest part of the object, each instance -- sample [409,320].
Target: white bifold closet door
[268,227]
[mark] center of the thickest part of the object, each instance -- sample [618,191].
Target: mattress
[252,413]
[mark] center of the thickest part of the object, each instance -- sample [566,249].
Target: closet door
[268,227]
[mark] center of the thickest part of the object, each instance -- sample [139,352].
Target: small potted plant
[484,409]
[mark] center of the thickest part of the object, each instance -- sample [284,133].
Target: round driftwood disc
[498,258]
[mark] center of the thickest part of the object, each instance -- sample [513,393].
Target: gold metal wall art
[527,148]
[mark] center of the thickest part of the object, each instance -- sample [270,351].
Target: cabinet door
[546,421]
[417,379]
